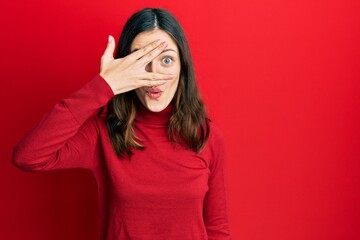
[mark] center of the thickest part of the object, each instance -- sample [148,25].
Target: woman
[141,128]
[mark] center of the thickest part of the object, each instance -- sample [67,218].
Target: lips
[153,93]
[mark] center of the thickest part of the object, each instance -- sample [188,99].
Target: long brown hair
[188,124]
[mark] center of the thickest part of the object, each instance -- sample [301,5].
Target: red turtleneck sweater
[165,192]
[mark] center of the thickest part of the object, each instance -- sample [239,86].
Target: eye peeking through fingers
[167,60]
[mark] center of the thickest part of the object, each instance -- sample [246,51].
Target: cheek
[176,71]
[140,94]
[174,68]
[173,85]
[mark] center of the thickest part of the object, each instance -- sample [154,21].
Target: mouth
[153,93]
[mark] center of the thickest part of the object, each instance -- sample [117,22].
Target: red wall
[280,78]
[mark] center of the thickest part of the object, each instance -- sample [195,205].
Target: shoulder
[216,135]
[215,147]
[96,124]
[216,142]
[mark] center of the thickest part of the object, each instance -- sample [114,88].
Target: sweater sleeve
[66,136]
[216,199]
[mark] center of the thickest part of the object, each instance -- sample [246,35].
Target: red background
[280,78]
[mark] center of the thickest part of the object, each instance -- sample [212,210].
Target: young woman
[141,128]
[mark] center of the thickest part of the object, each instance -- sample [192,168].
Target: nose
[150,67]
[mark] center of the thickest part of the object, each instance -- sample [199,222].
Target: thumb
[109,51]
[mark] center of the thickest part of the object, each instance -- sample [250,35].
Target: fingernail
[164,44]
[109,38]
[158,41]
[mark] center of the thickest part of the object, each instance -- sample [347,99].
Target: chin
[155,106]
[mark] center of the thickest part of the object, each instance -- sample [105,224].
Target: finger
[109,51]
[157,76]
[151,83]
[144,50]
[153,54]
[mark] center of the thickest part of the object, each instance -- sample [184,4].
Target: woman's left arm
[216,199]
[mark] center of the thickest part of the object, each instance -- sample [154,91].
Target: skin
[153,65]
[166,62]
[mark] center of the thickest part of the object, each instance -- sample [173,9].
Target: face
[158,98]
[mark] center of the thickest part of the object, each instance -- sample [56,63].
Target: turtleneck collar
[144,115]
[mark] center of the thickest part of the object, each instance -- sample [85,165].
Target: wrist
[107,80]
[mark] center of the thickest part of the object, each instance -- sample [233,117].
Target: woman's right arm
[67,132]
[66,136]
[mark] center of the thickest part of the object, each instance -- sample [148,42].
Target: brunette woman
[140,126]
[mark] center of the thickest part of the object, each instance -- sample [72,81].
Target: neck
[157,118]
